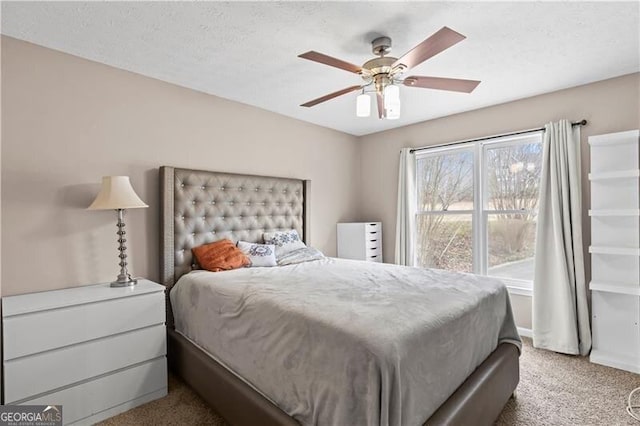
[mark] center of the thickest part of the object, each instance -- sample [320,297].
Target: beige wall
[521,306]
[68,121]
[609,106]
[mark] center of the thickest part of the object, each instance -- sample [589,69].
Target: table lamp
[118,194]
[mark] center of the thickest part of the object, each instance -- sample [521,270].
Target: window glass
[445,181]
[511,244]
[445,241]
[513,176]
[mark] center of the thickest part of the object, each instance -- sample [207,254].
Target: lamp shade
[363,105]
[116,193]
[392,102]
[391,96]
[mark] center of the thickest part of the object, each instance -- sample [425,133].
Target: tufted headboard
[199,207]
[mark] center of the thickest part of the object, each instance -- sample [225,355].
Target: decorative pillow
[285,241]
[221,255]
[259,254]
[306,254]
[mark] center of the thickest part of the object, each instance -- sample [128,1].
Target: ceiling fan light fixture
[391,96]
[363,105]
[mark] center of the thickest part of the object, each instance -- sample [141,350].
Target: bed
[200,206]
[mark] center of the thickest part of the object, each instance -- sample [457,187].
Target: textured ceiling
[247,52]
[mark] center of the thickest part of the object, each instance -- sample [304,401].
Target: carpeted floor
[557,389]
[554,390]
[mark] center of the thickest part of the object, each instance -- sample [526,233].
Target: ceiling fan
[384,73]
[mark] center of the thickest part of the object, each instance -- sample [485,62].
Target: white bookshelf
[615,249]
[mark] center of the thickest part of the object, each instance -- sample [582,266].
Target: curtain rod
[520,132]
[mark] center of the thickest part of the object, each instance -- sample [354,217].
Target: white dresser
[95,350]
[615,249]
[360,241]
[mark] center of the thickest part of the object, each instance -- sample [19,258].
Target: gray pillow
[259,254]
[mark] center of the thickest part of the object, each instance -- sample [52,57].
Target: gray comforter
[338,342]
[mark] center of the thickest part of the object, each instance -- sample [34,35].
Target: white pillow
[259,254]
[285,241]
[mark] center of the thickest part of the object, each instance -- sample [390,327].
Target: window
[477,206]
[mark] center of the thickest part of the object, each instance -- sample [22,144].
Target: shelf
[622,174]
[627,251]
[620,138]
[633,290]
[615,212]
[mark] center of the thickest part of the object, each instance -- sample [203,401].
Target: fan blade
[381,111]
[332,62]
[439,83]
[331,96]
[439,41]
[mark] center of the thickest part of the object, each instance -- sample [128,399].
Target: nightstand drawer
[40,331]
[46,371]
[79,402]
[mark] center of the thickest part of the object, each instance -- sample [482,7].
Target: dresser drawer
[43,372]
[35,332]
[372,227]
[103,393]
[376,249]
[374,254]
[372,244]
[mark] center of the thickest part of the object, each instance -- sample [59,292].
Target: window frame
[480,213]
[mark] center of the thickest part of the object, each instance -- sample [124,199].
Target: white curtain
[405,217]
[560,312]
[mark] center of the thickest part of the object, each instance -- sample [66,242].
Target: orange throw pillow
[221,255]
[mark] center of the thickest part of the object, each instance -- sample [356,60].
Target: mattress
[340,342]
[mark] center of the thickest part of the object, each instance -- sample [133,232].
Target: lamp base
[126,283]
[124,279]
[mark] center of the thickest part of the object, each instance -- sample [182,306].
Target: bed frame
[202,206]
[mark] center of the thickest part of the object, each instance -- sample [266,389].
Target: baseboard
[616,361]
[525,332]
[118,409]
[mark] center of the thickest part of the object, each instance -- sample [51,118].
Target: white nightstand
[95,350]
